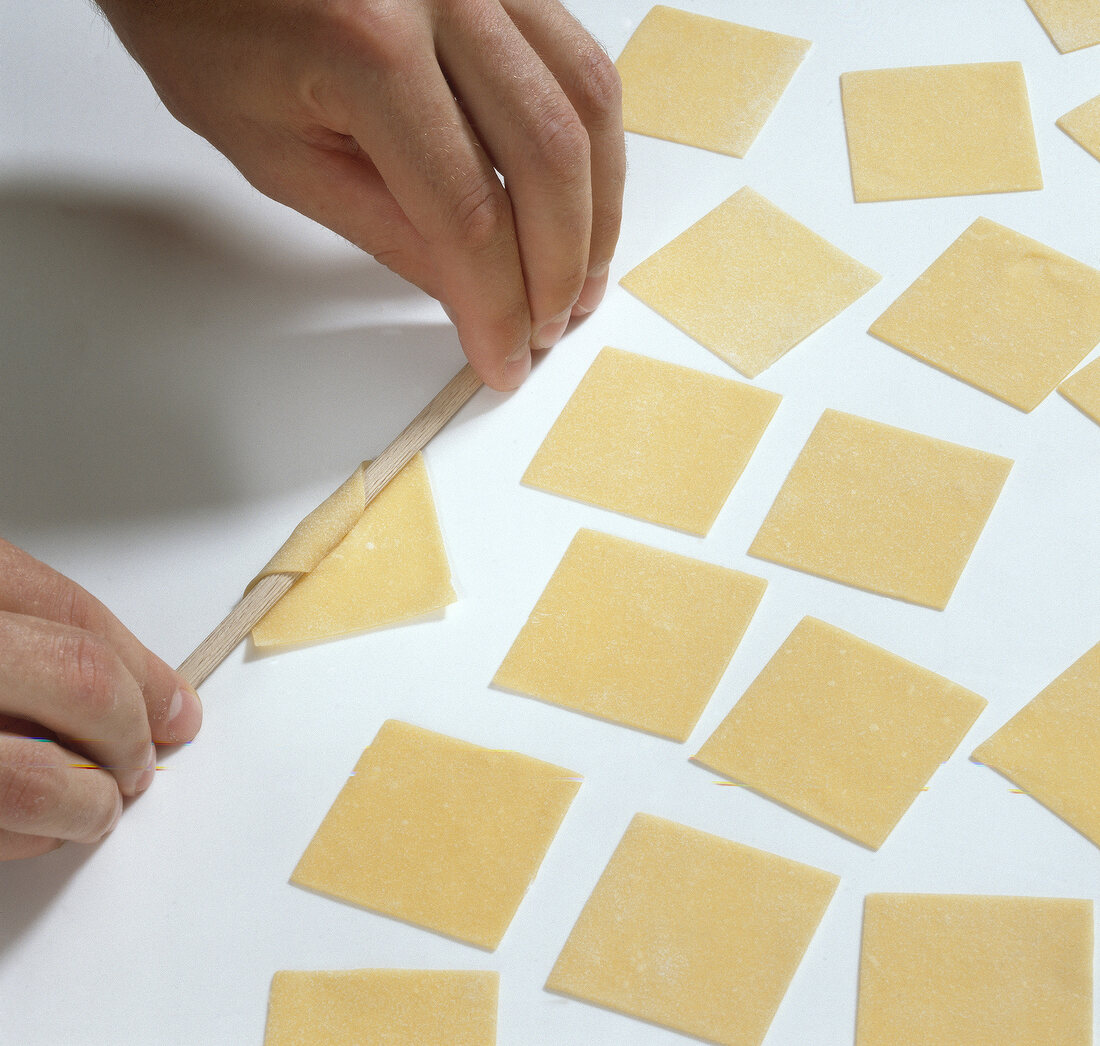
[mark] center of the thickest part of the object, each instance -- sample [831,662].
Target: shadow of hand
[150,348]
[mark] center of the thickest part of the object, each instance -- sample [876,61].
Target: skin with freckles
[388,120]
[82,705]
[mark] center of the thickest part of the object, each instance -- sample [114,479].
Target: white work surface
[188,368]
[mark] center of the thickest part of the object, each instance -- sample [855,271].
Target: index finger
[392,96]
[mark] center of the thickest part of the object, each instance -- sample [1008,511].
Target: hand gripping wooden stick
[262,596]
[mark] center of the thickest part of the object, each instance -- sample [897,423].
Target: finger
[394,100]
[16,847]
[33,589]
[537,141]
[73,683]
[45,791]
[591,83]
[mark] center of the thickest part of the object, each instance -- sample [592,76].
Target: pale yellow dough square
[392,566]
[382,1008]
[939,130]
[749,282]
[654,440]
[956,970]
[1070,24]
[1083,390]
[703,81]
[693,932]
[1083,123]
[631,634]
[1051,747]
[1000,311]
[882,509]
[438,832]
[841,731]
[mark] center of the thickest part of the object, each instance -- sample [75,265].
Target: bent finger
[73,683]
[591,83]
[537,141]
[29,587]
[49,792]
[391,96]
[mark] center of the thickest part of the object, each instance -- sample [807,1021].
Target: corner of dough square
[1070,24]
[382,1008]
[841,731]
[438,832]
[653,440]
[1083,390]
[391,567]
[1001,312]
[1083,123]
[958,970]
[939,130]
[631,634]
[1051,748]
[882,509]
[749,282]
[693,932]
[703,81]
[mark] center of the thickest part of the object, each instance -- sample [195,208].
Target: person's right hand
[388,120]
[81,704]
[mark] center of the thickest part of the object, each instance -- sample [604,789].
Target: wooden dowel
[269,590]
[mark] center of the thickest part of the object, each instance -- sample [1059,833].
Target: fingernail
[149,772]
[184,715]
[516,368]
[550,333]
[117,815]
[595,286]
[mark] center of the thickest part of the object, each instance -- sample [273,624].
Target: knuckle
[599,88]
[377,33]
[30,788]
[561,144]
[91,667]
[481,215]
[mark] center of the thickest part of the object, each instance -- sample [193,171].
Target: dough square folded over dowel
[958,970]
[749,282]
[939,130]
[390,567]
[841,731]
[631,634]
[654,440]
[1083,123]
[693,932]
[703,81]
[1000,311]
[438,832]
[382,1008]
[882,508]
[1070,24]
[1051,747]
[1083,390]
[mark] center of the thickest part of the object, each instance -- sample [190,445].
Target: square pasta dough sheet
[630,426]
[841,731]
[703,81]
[955,970]
[693,932]
[939,130]
[749,282]
[438,832]
[382,1008]
[882,508]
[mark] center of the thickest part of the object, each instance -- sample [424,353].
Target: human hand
[384,120]
[81,703]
